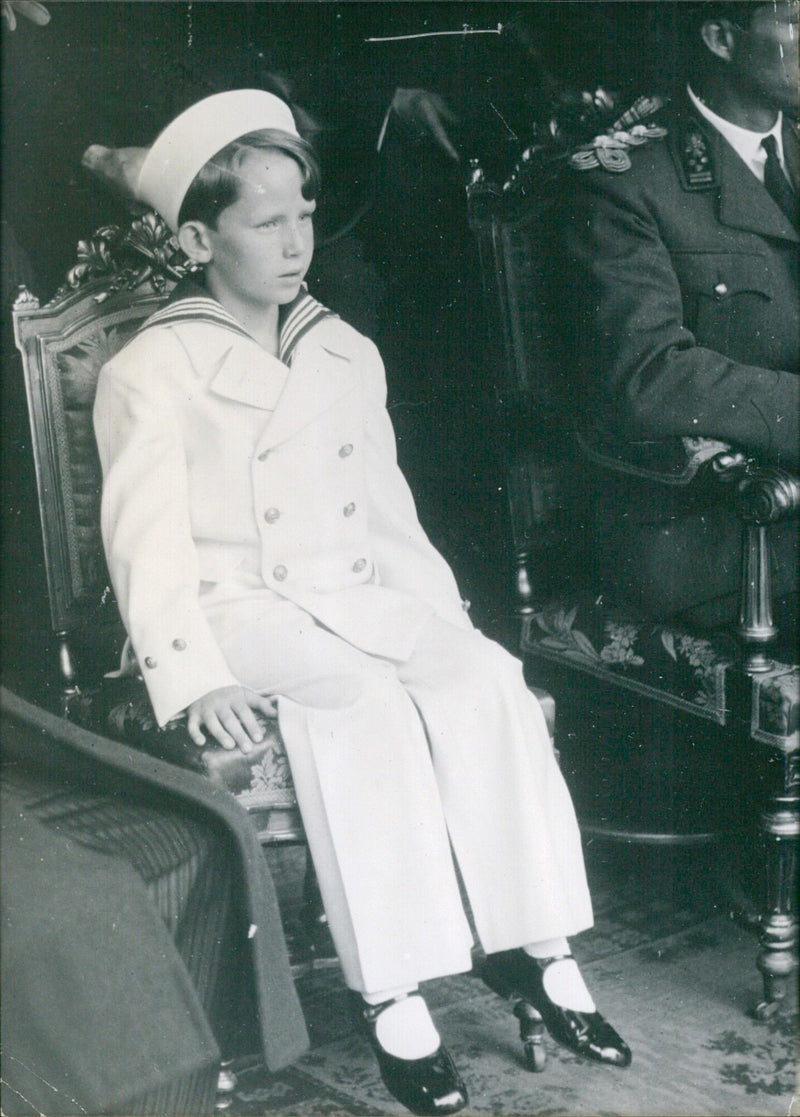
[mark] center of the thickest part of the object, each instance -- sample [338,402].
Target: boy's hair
[216,185]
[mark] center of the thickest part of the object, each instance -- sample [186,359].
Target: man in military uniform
[687,321]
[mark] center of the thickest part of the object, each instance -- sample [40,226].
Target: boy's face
[262,246]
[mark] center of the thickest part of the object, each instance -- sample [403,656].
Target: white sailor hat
[194,137]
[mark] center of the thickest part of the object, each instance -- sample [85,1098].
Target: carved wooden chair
[638,699]
[121,277]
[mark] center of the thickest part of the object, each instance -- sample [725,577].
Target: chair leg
[523,594]
[226,1086]
[313,920]
[755,611]
[70,691]
[780,823]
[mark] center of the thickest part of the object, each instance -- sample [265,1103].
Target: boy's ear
[195,242]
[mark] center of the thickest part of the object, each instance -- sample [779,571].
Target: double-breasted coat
[216,459]
[685,323]
[259,531]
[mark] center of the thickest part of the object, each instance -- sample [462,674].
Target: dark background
[115,72]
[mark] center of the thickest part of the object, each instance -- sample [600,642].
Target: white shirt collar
[746,143]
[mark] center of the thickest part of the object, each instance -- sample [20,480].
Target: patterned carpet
[666,963]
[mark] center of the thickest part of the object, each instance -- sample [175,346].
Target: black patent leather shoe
[427,1086]
[515,974]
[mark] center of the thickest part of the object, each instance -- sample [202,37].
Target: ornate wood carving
[144,252]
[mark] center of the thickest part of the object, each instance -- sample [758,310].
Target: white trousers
[395,762]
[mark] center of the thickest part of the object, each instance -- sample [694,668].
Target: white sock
[547,948]
[562,980]
[405,1029]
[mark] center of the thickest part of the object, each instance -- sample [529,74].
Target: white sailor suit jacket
[215,453]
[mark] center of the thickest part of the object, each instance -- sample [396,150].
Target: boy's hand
[227,714]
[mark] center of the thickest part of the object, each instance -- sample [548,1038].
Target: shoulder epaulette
[610,149]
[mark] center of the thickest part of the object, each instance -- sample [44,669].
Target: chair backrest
[122,276]
[518,267]
[513,246]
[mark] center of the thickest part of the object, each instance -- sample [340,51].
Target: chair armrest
[667,461]
[762,496]
[765,495]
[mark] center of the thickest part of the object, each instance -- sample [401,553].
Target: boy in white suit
[266,554]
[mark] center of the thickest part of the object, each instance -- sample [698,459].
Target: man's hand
[426,114]
[227,714]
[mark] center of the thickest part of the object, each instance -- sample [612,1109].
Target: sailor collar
[190,302]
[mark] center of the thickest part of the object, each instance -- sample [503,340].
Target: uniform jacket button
[150,662]
[721,290]
[271,515]
[359,565]
[349,509]
[279,573]
[262,457]
[179,645]
[346,450]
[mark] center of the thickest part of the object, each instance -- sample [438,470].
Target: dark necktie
[776,181]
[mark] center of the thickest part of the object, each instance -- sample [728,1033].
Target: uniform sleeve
[655,378]
[146,527]
[406,560]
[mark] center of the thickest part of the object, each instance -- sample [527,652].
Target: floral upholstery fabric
[685,669]
[775,707]
[78,362]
